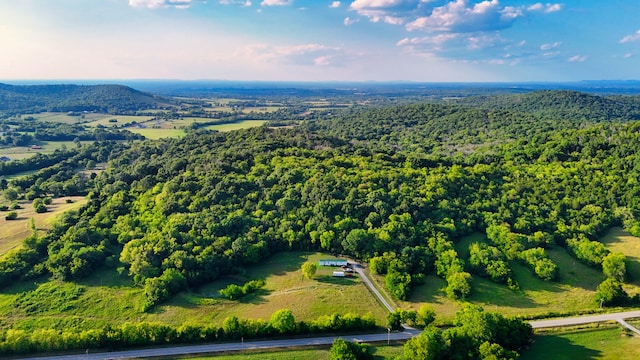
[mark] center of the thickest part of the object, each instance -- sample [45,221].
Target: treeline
[281,323]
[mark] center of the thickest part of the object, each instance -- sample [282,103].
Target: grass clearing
[610,343]
[245,124]
[285,288]
[154,134]
[12,232]
[573,292]
[108,298]
[25,152]
[619,240]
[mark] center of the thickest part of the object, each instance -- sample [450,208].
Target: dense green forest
[397,186]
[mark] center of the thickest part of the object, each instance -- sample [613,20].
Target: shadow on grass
[500,295]
[278,264]
[256,297]
[347,280]
[558,348]
[107,277]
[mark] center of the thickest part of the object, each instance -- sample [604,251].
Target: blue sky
[318,40]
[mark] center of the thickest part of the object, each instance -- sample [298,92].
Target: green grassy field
[608,343]
[380,352]
[237,125]
[151,133]
[24,152]
[618,240]
[109,298]
[12,232]
[574,290]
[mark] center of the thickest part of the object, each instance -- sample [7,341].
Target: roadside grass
[619,240]
[12,232]
[380,352]
[609,343]
[573,292]
[285,288]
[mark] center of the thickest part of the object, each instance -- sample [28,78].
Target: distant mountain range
[64,98]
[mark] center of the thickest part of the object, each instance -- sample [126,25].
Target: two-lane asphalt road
[579,320]
[237,346]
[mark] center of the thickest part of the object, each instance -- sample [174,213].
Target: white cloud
[630,38]
[392,12]
[335,4]
[276,2]
[577,58]
[628,55]
[245,3]
[546,47]
[546,8]
[460,16]
[349,21]
[155,4]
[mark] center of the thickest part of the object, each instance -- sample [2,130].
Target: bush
[11,215]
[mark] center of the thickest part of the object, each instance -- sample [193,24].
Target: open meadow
[24,152]
[573,292]
[12,232]
[108,298]
[619,240]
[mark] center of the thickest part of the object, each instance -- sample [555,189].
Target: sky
[320,40]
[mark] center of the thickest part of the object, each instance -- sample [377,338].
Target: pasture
[618,240]
[12,232]
[573,292]
[108,297]
[24,152]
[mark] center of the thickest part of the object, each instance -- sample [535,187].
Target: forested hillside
[380,185]
[63,98]
[563,105]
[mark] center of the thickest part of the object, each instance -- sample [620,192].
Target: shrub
[11,215]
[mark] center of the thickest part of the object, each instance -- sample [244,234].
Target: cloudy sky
[320,40]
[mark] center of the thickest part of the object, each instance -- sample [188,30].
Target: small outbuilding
[333,262]
[338,273]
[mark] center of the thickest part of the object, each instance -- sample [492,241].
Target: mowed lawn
[574,291]
[12,232]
